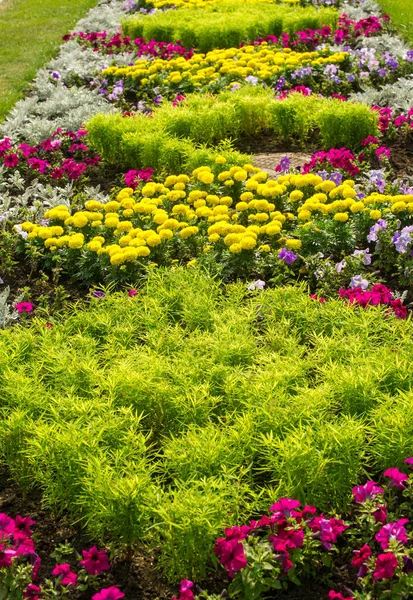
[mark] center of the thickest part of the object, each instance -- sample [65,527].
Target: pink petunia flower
[396,477]
[386,564]
[22,527]
[67,577]
[360,558]
[110,593]
[95,561]
[367,491]
[11,160]
[23,307]
[392,531]
[32,592]
[132,293]
[285,506]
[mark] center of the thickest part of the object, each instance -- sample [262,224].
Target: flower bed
[170,404]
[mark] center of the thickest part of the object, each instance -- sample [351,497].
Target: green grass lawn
[400,12]
[30,33]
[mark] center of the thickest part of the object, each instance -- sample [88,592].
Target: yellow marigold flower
[56,230]
[348,192]
[293,244]
[235,248]
[399,206]
[241,175]
[206,178]
[117,259]
[153,239]
[246,196]
[125,226]
[296,195]
[51,242]
[111,222]
[112,206]
[304,215]
[247,243]
[143,251]
[265,248]
[375,214]
[166,234]
[26,226]
[76,241]
[124,193]
[342,217]
[187,232]
[94,246]
[80,220]
[220,160]
[170,180]
[214,237]
[357,207]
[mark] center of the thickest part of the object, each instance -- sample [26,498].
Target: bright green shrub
[392,432]
[171,139]
[345,124]
[189,520]
[318,465]
[224,25]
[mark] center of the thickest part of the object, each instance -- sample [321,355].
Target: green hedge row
[170,139]
[165,417]
[226,24]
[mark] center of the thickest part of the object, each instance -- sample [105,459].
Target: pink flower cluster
[16,541]
[133,177]
[101,41]
[339,158]
[62,155]
[347,30]
[287,528]
[378,295]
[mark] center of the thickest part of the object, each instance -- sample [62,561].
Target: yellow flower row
[238,208]
[260,61]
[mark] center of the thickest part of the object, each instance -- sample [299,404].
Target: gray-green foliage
[165,417]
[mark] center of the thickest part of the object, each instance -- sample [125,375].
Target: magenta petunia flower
[409,461]
[23,307]
[332,595]
[6,557]
[22,527]
[231,555]
[110,593]
[7,525]
[11,160]
[63,571]
[132,293]
[386,564]
[32,592]
[285,506]
[392,531]
[95,561]
[185,591]
[396,477]
[360,558]
[380,515]
[365,492]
